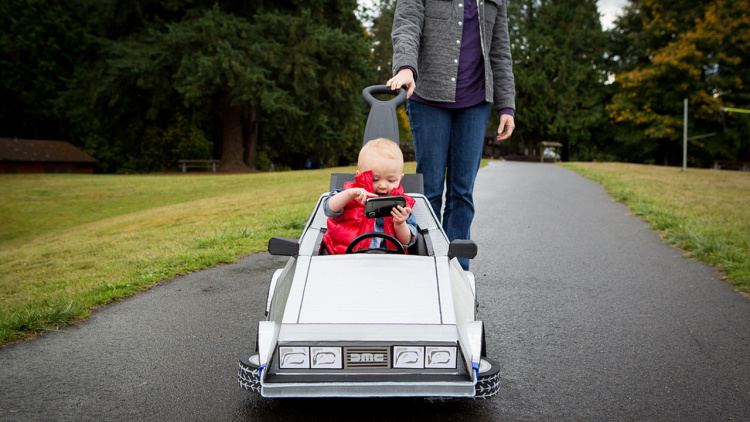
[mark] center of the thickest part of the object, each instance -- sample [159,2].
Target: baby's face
[386,173]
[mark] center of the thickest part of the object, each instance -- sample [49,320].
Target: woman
[459,51]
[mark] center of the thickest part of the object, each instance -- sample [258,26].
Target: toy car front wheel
[488,380]
[248,376]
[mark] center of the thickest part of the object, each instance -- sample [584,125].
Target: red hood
[364,180]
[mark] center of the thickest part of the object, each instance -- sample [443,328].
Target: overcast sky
[609,10]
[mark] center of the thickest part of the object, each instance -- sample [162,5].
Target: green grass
[704,212]
[71,243]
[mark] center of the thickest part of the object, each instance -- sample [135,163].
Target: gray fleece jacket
[427,37]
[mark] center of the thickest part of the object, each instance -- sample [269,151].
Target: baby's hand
[400,214]
[359,194]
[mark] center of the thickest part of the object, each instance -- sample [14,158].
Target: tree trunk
[251,137]
[530,145]
[231,148]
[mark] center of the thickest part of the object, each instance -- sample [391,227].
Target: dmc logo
[367,357]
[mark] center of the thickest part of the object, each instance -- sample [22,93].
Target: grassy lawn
[705,212]
[70,243]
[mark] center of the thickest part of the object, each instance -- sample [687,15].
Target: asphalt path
[590,314]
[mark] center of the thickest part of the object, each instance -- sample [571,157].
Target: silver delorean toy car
[371,323]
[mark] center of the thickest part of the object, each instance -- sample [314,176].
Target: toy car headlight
[325,358]
[294,357]
[440,357]
[408,357]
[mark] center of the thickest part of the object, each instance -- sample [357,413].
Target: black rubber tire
[488,382]
[248,376]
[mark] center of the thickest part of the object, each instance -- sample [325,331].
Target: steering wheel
[399,247]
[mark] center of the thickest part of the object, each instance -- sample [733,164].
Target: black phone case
[381,207]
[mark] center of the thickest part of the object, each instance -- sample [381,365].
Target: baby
[379,171]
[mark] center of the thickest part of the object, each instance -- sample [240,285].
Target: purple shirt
[470,78]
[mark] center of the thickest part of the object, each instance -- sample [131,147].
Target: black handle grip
[382,121]
[368,93]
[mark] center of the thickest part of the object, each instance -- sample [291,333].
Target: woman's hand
[507,124]
[404,78]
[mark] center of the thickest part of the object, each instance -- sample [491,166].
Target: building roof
[36,151]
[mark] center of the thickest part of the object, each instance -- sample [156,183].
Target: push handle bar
[382,121]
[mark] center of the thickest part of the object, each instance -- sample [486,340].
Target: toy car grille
[367,357]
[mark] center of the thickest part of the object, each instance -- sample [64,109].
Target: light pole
[684,139]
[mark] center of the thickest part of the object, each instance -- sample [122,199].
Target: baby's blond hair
[383,147]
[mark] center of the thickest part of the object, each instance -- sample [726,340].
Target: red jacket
[352,223]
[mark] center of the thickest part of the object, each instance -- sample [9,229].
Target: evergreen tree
[382,62]
[324,70]
[282,77]
[559,68]
[382,47]
[41,42]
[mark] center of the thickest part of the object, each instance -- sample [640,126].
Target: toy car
[370,323]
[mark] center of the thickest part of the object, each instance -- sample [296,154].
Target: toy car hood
[404,290]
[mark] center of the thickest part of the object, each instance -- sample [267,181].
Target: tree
[723,38]
[41,42]
[382,47]
[692,50]
[558,48]
[280,77]
[382,60]
[648,130]
[218,54]
[324,69]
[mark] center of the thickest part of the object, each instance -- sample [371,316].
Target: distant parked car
[550,152]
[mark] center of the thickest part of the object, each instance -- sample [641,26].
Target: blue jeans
[448,146]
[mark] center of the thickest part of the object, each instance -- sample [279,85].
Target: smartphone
[382,206]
